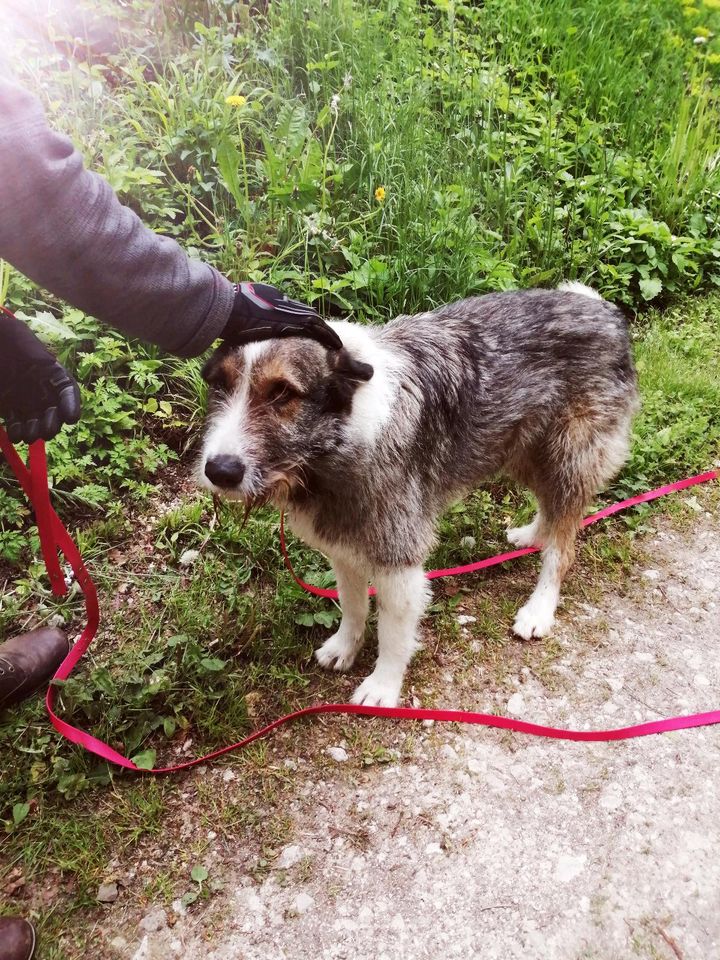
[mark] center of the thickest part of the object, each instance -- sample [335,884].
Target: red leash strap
[54,537]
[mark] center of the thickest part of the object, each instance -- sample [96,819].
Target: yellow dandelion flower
[714,59]
[380,194]
[703,32]
[235,100]
[712,4]
[690,11]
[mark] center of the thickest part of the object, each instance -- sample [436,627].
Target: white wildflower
[347,80]
[312,223]
[700,40]
[335,103]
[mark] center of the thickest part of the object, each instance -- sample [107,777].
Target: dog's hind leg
[528,536]
[340,650]
[402,595]
[574,462]
[537,616]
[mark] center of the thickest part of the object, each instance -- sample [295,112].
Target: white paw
[339,652]
[534,620]
[522,537]
[376,692]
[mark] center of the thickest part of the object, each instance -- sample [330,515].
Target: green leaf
[228,161]
[212,664]
[305,620]
[145,760]
[650,287]
[48,327]
[20,811]
[169,726]
[327,618]
[199,874]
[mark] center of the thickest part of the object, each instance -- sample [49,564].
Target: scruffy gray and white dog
[366,446]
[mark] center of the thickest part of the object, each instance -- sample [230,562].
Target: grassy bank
[376,158]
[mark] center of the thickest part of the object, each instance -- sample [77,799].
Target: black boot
[26,662]
[17,939]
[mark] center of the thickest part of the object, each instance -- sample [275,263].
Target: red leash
[55,539]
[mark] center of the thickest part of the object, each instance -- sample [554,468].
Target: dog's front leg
[402,596]
[340,650]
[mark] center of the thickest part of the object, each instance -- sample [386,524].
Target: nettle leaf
[650,287]
[48,326]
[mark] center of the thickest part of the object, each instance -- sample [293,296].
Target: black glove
[262,312]
[37,394]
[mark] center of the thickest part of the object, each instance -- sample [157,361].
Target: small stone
[469,543]
[569,867]
[211,835]
[154,921]
[289,856]
[188,558]
[651,574]
[337,753]
[107,893]
[516,705]
[178,907]
[229,775]
[464,618]
[302,903]
[476,765]
[611,798]
[428,723]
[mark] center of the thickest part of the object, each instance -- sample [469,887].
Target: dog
[365,446]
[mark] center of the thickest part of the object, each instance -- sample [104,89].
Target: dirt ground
[492,845]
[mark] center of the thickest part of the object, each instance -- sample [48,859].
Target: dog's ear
[346,366]
[217,370]
[347,375]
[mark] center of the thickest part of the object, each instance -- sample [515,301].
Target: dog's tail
[572,286]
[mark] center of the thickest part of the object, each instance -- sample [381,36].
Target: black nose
[224,470]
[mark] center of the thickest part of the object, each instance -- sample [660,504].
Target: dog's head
[276,409]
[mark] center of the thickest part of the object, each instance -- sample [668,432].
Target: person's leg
[29,660]
[17,939]
[26,662]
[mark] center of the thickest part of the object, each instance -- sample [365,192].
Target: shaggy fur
[368,445]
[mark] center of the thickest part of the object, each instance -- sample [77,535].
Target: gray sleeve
[65,229]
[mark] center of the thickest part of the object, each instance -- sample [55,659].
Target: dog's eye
[281,392]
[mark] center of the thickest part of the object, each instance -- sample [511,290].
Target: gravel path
[490,845]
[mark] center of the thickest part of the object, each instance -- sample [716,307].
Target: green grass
[517,143]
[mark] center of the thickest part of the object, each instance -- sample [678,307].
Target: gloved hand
[262,312]
[37,394]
